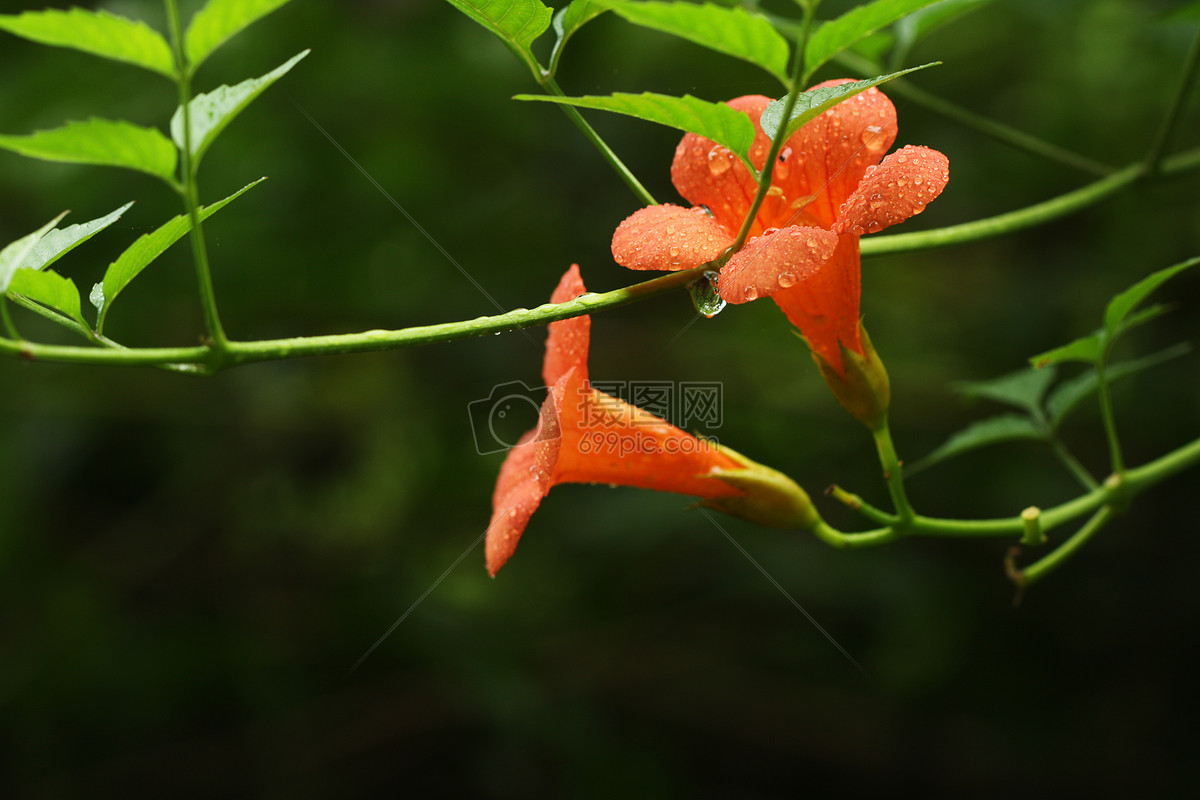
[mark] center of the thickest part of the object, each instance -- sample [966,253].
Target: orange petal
[668,237]
[825,306]
[823,162]
[709,175]
[606,440]
[567,344]
[895,190]
[775,261]
[525,478]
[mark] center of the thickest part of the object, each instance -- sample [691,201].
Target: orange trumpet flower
[587,436]
[828,188]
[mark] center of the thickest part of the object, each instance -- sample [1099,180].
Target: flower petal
[775,261]
[525,478]
[709,175]
[823,162]
[567,344]
[825,306]
[606,440]
[668,237]
[895,190]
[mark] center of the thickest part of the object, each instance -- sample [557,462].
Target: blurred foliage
[190,567]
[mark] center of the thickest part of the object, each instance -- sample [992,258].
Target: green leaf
[715,121]
[100,141]
[836,35]
[1067,396]
[50,289]
[97,32]
[1127,300]
[220,20]
[568,20]
[732,31]
[14,255]
[1003,428]
[1023,389]
[60,241]
[143,251]
[515,22]
[1088,350]
[811,103]
[211,112]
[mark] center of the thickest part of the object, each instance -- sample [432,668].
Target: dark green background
[189,568]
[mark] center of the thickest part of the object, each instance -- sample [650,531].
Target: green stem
[1001,224]
[208,300]
[1163,137]
[548,83]
[1072,463]
[764,179]
[367,341]
[1108,416]
[988,127]
[856,503]
[9,327]
[893,473]
[1039,569]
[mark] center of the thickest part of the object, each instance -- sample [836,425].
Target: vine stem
[764,179]
[236,352]
[998,131]
[547,82]
[1159,146]
[1042,567]
[190,191]
[893,474]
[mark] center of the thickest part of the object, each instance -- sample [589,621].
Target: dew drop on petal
[783,167]
[901,158]
[872,138]
[719,160]
[769,231]
[749,293]
[918,180]
[674,252]
[670,230]
[787,279]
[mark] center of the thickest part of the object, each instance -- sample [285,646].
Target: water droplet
[812,243]
[901,182]
[719,160]
[705,210]
[876,204]
[901,158]
[872,138]
[787,279]
[770,231]
[704,295]
[874,226]
[674,252]
[749,293]
[670,229]
[774,191]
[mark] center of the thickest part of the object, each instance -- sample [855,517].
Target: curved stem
[1002,133]
[1109,417]
[893,473]
[990,227]
[1040,568]
[191,200]
[368,341]
[548,83]
[764,179]
[1163,137]
[1072,463]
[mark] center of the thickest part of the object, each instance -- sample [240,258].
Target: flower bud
[862,387]
[771,498]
